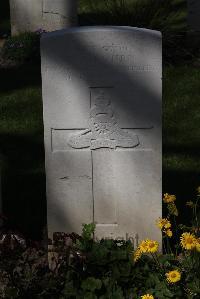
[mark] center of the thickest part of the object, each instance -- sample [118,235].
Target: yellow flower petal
[137,254]
[147,296]
[173,276]
[198,245]
[188,241]
[152,246]
[169,233]
[143,246]
[168,198]
[163,223]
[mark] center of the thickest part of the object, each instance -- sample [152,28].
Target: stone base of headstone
[49,15]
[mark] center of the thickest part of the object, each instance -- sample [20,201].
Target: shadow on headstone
[116,71]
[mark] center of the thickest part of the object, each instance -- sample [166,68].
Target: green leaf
[88,231]
[194,286]
[90,296]
[69,289]
[172,209]
[11,293]
[91,284]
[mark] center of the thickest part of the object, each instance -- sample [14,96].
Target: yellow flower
[188,241]
[173,276]
[198,245]
[147,296]
[152,246]
[198,190]
[163,223]
[168,198]
[148,246]
[137,254]
[169,233]
[143,247]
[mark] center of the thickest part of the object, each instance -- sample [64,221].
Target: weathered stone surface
[194,14]
[102,128]
[49,15]
[26,15]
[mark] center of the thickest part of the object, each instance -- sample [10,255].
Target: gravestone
[194,15]
[102,130]
[49,15]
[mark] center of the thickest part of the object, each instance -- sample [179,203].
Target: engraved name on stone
[86,71]
[116,55]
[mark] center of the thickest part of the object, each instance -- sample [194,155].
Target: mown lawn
[21,143]
[181,132]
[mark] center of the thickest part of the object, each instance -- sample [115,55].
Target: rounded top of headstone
[90,29]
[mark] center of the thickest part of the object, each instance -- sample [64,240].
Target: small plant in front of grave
[114,269]
[82,267]
[179,265]
[23,48]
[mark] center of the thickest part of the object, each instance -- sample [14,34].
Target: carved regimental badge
[104,131]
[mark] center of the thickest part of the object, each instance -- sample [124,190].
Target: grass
[181,143]
[21,143]
[163,15]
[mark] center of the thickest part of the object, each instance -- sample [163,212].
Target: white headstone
[49,15]
[194,14]
[102,128]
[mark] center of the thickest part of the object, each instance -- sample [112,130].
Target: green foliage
[91,284]
[22,48]
[88,231]
[85,268]
[172,209]
[163,15]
